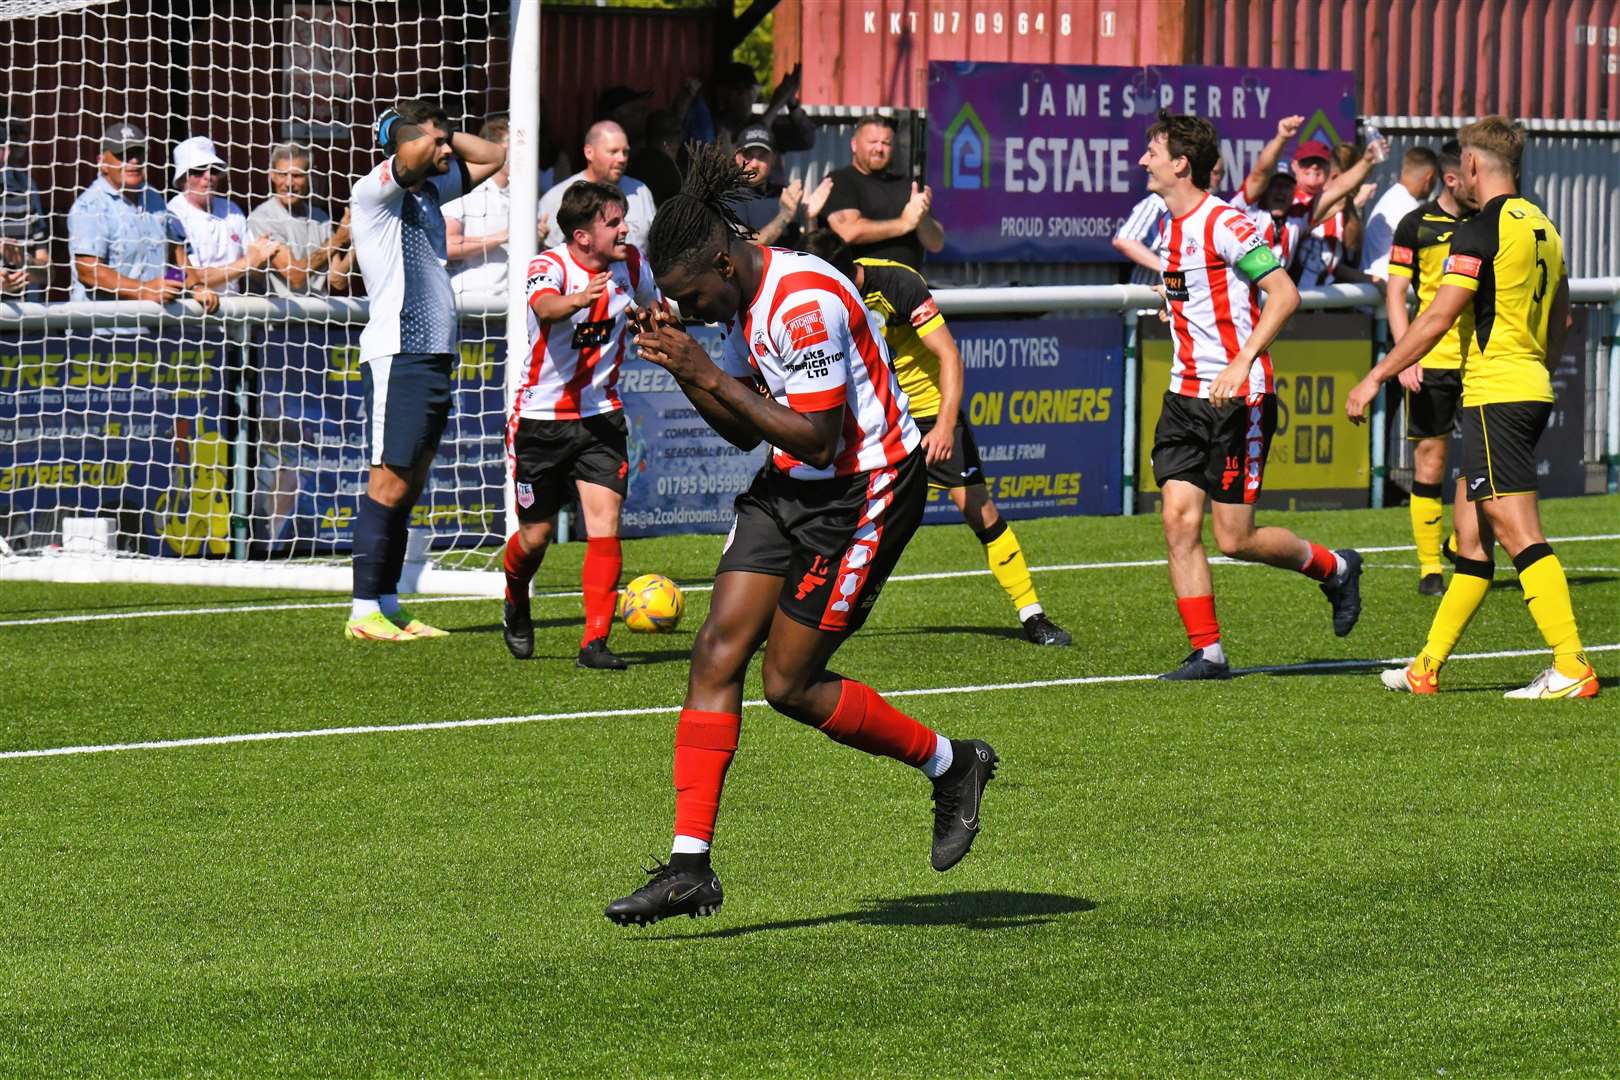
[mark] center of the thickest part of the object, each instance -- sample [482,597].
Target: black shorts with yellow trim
[1431,413]
[1221,450]
[550,456]
[834,541]
[1499,447]
[963,468]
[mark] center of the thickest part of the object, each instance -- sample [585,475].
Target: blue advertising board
[129,428]
[1044,399]
[1038,162]
[683,475]
[310,466]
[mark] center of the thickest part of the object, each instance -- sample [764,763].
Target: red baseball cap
[1313,148]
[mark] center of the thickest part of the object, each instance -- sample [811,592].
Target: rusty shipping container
[585,50]
[1554,59]
[876,52]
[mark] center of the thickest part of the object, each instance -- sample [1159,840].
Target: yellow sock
[1463,596]
[1428,515]
[1546,594]
[1007,563]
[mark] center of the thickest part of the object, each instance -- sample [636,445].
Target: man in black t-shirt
[878,213]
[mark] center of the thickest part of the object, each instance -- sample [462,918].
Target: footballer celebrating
[567,432]
[1507,265]
[408,347]
[929,368]
[1220,409]
[804,369]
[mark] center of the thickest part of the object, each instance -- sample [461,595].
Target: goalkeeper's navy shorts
[407,405]
[835,541]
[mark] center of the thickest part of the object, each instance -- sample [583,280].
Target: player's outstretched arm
[552,307]
[731,408]
[1422,335]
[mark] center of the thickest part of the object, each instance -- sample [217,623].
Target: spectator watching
[607,152]
[771,211]
[1420,169]
[316,258]
[218,254]
[878,213]
[123,240]
[477,225]
[25,233]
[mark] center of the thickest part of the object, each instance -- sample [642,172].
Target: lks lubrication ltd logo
[967,146]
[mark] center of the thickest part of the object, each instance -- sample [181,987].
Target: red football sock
[520,567]
[1198,616]
[704,745]
[862,719]
[1321,565]
[599,578]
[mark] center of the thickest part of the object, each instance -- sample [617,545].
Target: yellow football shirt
[1512,259]
[1418,254]
[900,297]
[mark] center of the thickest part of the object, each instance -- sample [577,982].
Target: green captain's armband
[1258,263]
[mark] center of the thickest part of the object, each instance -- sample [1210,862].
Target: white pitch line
[597,714]
[942,575]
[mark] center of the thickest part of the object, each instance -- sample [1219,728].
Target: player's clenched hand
[938,443]
[1355,404]
[1289,126]
[674,350]
[1232,383]
[1412,378]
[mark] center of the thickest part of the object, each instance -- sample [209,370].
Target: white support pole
[524,154]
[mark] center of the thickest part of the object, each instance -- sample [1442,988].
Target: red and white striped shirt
[1281,235]
[573,369]
[1213,305]
[809,339]
[1322,249]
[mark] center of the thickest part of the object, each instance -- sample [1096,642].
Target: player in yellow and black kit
[930,372]
[1508,263]
[1433,388]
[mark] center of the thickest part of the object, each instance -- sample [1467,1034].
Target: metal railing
[240,314]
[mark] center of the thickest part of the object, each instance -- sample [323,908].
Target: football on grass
[651,604]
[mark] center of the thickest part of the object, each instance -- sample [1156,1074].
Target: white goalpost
[152,442]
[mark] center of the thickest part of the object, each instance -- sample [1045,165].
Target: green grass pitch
[1294,873]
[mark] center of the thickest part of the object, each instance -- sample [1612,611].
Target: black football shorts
[550,456]
[834,541]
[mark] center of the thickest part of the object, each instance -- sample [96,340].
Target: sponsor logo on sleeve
[1466,265]
[925,311]
[805,326]
[1399,254]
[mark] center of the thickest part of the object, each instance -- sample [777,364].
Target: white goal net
[142,434]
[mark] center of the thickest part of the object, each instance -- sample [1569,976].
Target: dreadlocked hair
[692,225]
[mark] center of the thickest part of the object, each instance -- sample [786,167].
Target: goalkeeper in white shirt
[407,350]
